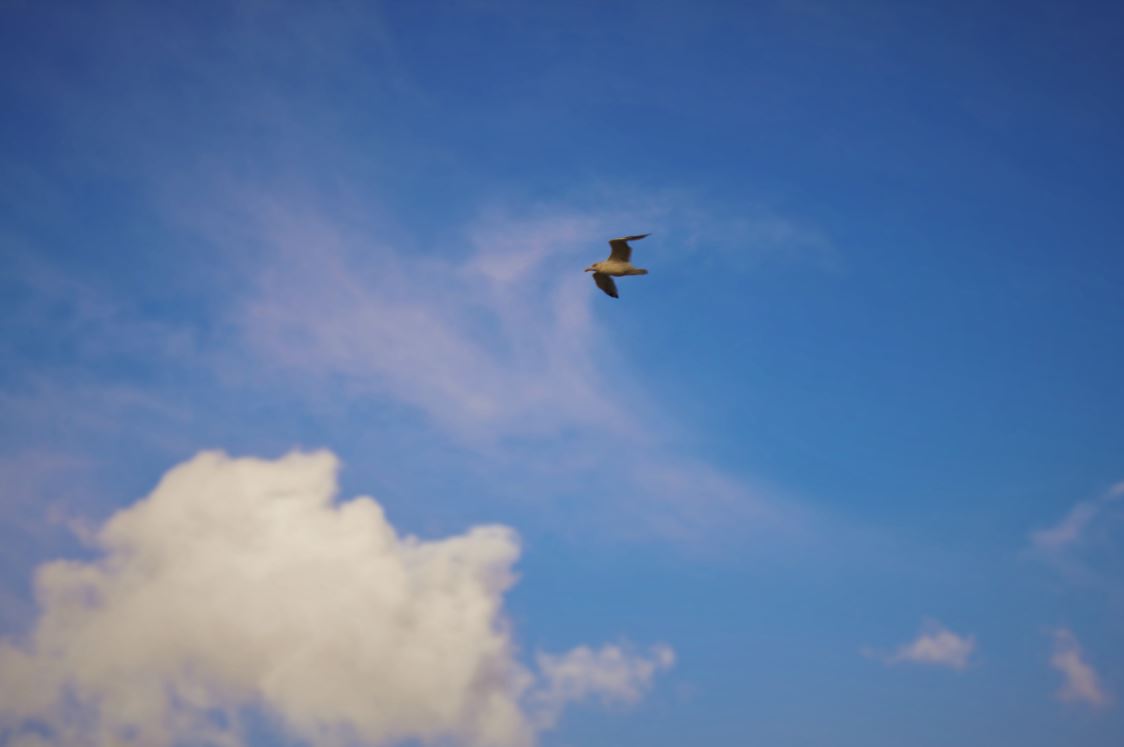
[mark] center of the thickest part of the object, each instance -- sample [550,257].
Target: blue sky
[852,450]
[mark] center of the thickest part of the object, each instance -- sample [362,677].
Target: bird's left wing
[621,251]
[605,283]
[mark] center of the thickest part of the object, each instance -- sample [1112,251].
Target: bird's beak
[589,269]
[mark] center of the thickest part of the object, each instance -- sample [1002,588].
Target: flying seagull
[617,264]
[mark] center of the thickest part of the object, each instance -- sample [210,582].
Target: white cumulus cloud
[240,583]
[1081,682]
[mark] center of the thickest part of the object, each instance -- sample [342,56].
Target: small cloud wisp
[935,645]
[1075,524]
[1081,683]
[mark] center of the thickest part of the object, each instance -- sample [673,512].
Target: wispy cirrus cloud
[1083,547]
[489,340]
[1071,529]
[1080,681]
[493,344]
[497,334]
[496,346]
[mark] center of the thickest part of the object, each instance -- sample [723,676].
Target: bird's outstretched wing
[621,251]
[605,283]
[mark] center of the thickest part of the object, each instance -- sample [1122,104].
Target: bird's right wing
[605,283]
[621,251]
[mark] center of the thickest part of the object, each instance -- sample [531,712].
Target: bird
[618,264]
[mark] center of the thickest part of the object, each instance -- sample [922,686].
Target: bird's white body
[617,269]
[618,264]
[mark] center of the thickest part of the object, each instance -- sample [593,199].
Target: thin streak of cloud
[1081,683]
[493,341]
[93,324]
[432,333]
[1070,530]
[1067,531]
[496,347]
[1083,547]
